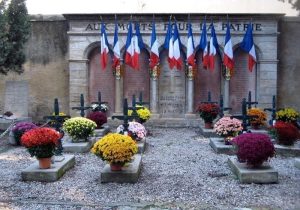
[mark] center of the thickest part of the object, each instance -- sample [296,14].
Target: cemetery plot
[219,146]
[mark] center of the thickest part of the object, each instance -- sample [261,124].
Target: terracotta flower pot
[44,163]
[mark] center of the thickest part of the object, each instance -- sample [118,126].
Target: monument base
[57,170]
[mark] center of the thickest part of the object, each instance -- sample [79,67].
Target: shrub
[287,115]
[261,116]
[286,133]
[98,117]
[79,128]
[208,112]
[20,128]
[254,148]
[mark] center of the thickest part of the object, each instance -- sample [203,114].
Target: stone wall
[46,69]
[289,63]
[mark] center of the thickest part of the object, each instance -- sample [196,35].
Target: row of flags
[134,45]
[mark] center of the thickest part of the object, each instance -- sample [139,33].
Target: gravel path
[180,171]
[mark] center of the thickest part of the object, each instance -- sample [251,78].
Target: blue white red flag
[248,46]
[116,48]
[154,54]
[213,48]
[104,47]
[137,45]
[204,46]
[170,46]
[177,45]
[228,52]
[190,47]
[129,46]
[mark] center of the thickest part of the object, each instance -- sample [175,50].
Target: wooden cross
[222,108]
[57,122]
[124,117]
[249,102]
[273,110]
[209,99]
[141,102]
[81,107]
[244,117]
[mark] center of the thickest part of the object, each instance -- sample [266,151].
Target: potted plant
[259,119]
[228,128]
[79,128]
[19,129]
[98,117]
[208,112]
[287,115]
[253,148]
[143,113]
[135,130]
[41,142]
[116,149]
[285,133]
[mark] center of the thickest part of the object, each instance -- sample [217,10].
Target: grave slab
[141,146]
[297,162]
[99,133]
[78,147]
[265,174]
[57,170]
[288,151]
[262,131]
[218,145]
[129,174]
[207,132]
[5,122]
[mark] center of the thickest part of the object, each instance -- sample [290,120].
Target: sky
[159,6]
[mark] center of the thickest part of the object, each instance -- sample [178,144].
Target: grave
[99,133]
[207,132]
[297,162]
[141,146]
[288,151]
[129,174]
[264,174]
[76,147]
[218,145]
[57,170]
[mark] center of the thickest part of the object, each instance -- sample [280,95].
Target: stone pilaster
[154,91]
[118,89]
[190,93]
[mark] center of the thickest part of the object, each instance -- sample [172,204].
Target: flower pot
[116,167]
[44,163]
[208,125]
[228,140]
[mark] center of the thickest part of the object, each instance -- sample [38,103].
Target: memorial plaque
[16,97]
[171,91]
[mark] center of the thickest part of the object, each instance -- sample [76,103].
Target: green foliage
[44,151]
[14,33]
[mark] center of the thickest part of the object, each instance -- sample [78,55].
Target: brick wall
[136,81]
[101,80]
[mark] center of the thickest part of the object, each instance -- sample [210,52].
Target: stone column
[78,79]
[118,90]
[154,92]
[226,88]
[190,93]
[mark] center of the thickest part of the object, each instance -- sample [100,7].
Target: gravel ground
[180,171]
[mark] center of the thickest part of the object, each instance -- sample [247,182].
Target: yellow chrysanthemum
[115,148]
[143,112]
[79,127]
[287,115]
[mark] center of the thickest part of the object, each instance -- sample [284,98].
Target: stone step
[129,174]
[265,174]
[57,170]
[218,145]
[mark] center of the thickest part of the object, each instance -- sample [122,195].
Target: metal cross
[82,108]
[273,110]
[57,122]
[249,102]
[209,100]
[222,108]
[134,109]
[244,117]
[141,102]
[125,116]
[99,102]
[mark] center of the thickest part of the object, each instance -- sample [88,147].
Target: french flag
[129,47]
[138,45]
[213,48]
[190,47]
[228,52]
[116,49]
[177,45]
[169,45]
[104,47]
[154,54]
[204,46]
[248,46]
